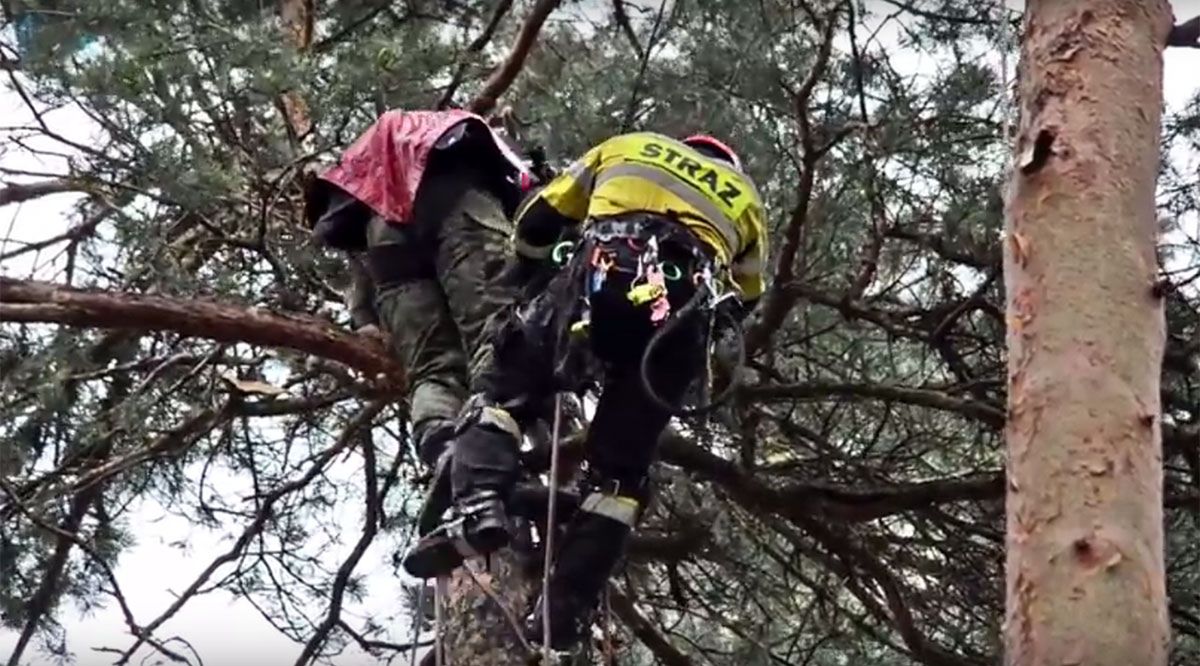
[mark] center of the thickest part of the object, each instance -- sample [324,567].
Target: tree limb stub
[1186,34]
[30,301]
[506,73]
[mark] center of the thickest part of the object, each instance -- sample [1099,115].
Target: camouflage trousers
[439,312]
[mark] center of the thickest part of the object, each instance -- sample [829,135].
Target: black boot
[483,472]
[435,553]
[433,437]
[593,546]
[478,470]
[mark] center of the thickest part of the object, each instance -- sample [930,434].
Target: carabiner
[565,247]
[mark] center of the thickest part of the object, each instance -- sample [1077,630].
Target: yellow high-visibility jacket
[652,173]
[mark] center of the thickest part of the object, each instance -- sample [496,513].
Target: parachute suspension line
[439,598]
[551,509]
[416,632]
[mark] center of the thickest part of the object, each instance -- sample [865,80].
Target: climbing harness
[649,286]
[709,300]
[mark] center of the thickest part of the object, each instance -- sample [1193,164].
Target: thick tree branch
[13,193]
[779,299]
[645,631]
[473,49]
[30,301]
[298,18]
[622,18]
[1186,34]
[506,73]
[795,500]
[992,415]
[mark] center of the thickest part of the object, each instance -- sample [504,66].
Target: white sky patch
[170,550]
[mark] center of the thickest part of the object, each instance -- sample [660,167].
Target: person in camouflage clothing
[422,201]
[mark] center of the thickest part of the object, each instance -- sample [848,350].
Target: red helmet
[712,144]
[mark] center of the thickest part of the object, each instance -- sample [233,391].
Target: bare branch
[779,301]
[371,522]
[506,73]
[72,235]
[622,18]
[981,19]
[264,514]
[989,414]
[805,500]
[644,630]
[473,49]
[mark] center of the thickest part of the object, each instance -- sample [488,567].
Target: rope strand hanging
[551,510]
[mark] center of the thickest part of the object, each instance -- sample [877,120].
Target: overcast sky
[170,552]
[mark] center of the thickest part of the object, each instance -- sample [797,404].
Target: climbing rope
[693,306]
[416,631]
[551,507]
[439,594]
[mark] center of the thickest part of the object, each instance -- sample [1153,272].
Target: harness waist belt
[642,225]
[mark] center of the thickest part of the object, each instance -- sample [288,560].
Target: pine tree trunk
[1085,578]
[476,632]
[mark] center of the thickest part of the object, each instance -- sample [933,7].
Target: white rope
[416,632]
[439,595]
[551,506]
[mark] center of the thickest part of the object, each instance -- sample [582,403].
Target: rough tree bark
[1085,579]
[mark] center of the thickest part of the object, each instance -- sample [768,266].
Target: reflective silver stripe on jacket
[500,418]
[712,215]
[621,509]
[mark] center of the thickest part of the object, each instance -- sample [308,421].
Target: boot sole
[432,557]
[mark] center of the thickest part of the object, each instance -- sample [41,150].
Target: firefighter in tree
[659,221]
